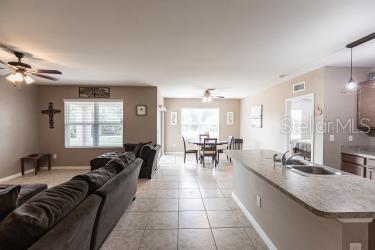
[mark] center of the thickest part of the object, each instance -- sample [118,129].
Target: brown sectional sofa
[78,214]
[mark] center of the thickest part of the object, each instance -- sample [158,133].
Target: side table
[36,158]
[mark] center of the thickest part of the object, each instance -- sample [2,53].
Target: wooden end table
[36,158]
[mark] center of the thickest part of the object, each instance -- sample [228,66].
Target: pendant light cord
[351,63]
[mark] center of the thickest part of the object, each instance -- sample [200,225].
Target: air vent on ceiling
[297,87]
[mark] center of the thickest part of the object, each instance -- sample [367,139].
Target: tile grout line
[209,223]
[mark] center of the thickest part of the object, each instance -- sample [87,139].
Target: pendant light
[351,86]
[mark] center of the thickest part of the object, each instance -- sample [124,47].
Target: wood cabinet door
[370,173]
[353,169]
[366,104]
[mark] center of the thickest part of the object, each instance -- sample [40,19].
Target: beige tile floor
[184,206]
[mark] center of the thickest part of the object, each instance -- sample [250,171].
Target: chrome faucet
[284,159]
[276,159]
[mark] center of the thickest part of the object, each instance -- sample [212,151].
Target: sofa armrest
[74,231]
[116,194]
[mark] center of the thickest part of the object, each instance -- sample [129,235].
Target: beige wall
[136,128]
[19,115]
[343,107]
[273,100]
[172,134]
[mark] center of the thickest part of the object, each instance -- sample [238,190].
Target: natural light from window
[296,115]
[196,121]
[93,123]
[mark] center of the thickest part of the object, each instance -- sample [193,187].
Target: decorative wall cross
[51,112]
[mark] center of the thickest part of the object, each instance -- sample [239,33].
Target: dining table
[200,143]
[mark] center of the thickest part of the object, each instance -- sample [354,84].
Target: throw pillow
[8,200]
[144,150]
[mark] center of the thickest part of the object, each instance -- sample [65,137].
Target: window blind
[93,123]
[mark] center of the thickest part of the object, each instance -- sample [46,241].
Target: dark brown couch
[148,152]
[78,214]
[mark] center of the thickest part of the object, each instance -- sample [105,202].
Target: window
[93,123]
[196,121]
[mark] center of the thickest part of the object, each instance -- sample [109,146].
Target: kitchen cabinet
[358,165]
[366,107]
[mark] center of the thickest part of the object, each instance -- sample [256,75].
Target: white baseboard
[173,153]
[16,175]
[255,224]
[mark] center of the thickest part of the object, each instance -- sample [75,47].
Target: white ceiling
[237,46]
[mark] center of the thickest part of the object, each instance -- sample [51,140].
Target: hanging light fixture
[351,86]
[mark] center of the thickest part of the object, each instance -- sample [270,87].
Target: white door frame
[287,139]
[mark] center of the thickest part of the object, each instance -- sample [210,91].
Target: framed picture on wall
[173,118]
[94,92]
[230,118]
[141,110]
[256,116]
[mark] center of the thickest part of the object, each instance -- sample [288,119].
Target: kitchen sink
[314,170]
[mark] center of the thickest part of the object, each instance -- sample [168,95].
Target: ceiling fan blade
[20,64]
[218,96]
[45,76]
[48,71]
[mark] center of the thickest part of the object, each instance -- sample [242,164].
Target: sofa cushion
[98,177]
[29,190]
[8,199]
[117,164]
[29,222]
[127,157]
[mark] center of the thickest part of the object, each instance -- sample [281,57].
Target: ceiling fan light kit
[20,72]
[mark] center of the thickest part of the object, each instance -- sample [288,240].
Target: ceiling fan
[207,95]
[21,72]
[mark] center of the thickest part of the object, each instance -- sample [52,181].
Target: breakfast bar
[293,210]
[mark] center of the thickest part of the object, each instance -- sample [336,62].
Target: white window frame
[218,123]
[96,125]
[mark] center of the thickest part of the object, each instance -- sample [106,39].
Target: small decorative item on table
[141,110]
[36,158]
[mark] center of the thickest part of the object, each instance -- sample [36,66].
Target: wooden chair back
[183,140]
[203,136]
[230,142]
[209,144]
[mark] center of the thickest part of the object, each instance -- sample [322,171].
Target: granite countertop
[362,151]
[331,196]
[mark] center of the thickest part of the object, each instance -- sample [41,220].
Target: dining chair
[209,149]
[237,144]
[189,151]
[202,136]
[221,150]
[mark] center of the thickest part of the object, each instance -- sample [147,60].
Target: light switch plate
[54,156]
[355,246]
[331,137]
[350,138]
[259,201]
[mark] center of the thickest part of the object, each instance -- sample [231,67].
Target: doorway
[300,135]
